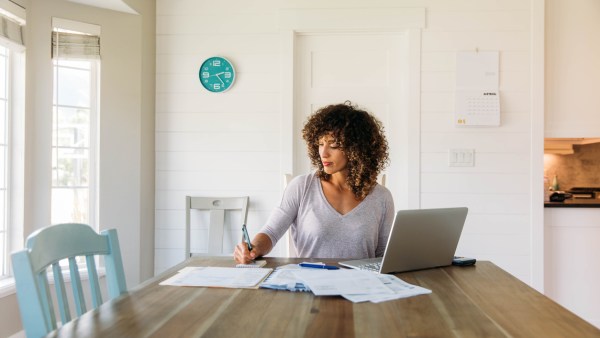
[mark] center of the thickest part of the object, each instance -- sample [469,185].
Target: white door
[370,70]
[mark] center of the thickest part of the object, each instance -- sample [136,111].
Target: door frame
[410,21]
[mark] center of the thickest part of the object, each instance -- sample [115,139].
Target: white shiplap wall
[229,143]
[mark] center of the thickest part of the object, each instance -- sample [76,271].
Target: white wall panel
[224,122]
[459,40]
[489,203]
[218,21]
[199,43]
[496,224]
[506,163]
[473,182]
[481,140]
[205,161]
[456,20]
[198,131]
[202,101]
[170,219]
[437,101]
[446,61]
[216,141]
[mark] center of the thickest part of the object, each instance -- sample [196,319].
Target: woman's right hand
[261,245]
[242,255]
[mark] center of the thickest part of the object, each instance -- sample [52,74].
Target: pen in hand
[246,237]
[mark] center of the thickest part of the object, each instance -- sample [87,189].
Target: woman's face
[333,158]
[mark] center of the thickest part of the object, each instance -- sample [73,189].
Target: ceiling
[115,5]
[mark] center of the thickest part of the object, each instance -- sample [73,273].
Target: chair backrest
[44,249]
[217,207]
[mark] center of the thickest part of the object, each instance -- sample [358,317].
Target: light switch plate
[461,157]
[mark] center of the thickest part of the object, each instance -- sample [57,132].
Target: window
[12,89]
[74,128]
[4,157]
[73,142]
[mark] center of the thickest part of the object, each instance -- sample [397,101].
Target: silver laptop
[419,239]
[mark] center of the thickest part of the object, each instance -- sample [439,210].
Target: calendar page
[477,108]
[477,98]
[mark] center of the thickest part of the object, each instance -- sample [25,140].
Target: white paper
[477,70]
[283,278]
[477,108]
[400,288]
[218,277]
[339,282]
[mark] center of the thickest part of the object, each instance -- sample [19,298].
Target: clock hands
[218,77]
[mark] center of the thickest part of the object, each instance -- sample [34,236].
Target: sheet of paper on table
[338,282]
[218,277]
[400,288]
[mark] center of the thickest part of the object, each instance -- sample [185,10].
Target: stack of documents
[400,288]
[283,278]
[354,285]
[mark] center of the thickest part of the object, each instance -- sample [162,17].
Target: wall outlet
[461,157]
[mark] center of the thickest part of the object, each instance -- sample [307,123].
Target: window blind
[11,30]
[71,45]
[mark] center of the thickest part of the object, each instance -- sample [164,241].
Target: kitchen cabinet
[571,269]
[572,68]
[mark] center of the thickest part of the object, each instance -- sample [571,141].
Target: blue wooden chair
[44,249]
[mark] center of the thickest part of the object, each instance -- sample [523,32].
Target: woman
[339,211]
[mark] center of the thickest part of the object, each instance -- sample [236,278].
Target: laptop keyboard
[375,267]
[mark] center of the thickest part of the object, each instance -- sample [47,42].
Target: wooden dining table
[474,301]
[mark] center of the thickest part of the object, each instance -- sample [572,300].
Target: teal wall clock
[216,74]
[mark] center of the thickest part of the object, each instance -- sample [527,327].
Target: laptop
[419,239]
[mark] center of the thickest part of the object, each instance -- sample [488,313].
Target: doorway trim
[295,22]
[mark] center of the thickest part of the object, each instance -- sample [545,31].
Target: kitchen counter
[575,203]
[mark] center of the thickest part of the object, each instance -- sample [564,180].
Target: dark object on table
[463,261]
[560,196]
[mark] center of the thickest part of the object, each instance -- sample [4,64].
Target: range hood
[564,146]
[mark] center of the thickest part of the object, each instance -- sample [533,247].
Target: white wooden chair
[217,207]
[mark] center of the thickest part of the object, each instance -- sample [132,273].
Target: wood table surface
[476,301]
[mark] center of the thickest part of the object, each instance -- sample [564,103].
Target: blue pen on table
[318,266]
[246,237]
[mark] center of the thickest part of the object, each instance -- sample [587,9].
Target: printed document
[338,282]
[218,277]
[400,288]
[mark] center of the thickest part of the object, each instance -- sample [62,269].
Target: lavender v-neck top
[319,231]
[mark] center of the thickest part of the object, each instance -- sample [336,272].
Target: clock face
[216,74]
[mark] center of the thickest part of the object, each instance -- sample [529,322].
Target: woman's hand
[261,245]
[242,255]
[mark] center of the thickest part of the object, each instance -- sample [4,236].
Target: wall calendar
[477,99]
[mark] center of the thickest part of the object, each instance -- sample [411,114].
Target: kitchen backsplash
[576,170]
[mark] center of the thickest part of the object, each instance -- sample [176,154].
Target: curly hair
[361,138]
